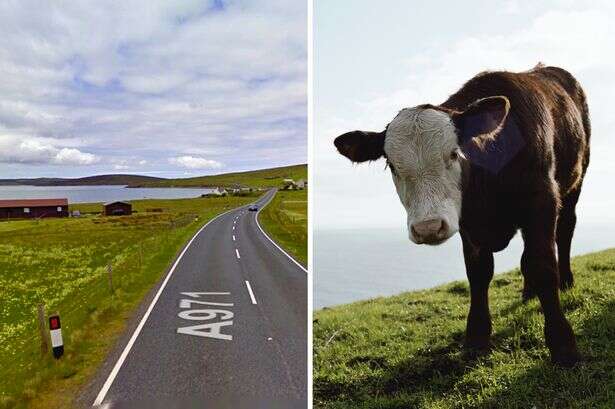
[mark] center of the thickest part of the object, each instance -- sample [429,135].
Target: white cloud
[71,156]
[195,162]
[27,150]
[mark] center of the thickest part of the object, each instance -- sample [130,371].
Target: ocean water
[87,194]
[356,264]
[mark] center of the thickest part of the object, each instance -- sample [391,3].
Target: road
[227,327]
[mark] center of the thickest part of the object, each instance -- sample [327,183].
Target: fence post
[42,329]
[140,256]
[110,273]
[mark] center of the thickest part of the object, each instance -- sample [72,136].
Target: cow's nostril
[443,229]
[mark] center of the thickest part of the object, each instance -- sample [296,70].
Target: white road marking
[233,227]
[118,365]
[237,252]
[273,242]
[233,237]
[210,329]
[185,303]
[250,291]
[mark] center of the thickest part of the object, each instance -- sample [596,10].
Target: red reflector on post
[55,331]
[54,322]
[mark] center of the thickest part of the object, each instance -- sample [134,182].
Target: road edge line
[118,365]
[270,239]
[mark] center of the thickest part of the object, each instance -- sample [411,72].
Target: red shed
[33,208]
[117,209]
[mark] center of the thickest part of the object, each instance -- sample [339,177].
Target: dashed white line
[251,293]
[233,237]
[237,252]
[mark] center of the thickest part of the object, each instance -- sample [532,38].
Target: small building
[301,184]
[289,184]
[117,209]
[33,208]
[217,192]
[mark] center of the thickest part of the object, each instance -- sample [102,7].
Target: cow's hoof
[567,358]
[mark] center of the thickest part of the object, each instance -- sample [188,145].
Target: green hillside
[256,178]
[406,351]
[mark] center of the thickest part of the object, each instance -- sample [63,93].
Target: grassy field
[63,264]
[285,220]
[256,178]
[406,351]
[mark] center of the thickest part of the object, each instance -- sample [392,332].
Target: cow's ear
[483,118]
[361,146]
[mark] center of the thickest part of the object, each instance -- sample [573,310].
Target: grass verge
[406,351]
[285,221]
[63,264]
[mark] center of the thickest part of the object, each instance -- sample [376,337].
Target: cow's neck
[483,205]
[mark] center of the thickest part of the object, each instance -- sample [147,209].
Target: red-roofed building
[33,208]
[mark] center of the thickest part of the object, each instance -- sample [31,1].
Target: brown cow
[508,151]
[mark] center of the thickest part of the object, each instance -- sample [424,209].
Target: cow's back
[573,130]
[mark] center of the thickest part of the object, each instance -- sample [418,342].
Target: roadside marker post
[55,330]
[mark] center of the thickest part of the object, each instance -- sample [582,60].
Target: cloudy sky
[165,88]
[375,58]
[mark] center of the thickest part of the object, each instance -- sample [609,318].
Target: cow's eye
[454,155]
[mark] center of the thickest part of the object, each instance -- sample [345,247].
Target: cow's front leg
[539,267]
[479,268]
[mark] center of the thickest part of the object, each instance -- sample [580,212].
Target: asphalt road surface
[227,327]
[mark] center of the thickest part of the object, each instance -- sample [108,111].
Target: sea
[95,194]
[356,264]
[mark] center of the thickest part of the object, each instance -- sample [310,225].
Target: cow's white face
[422,149]
[423,156]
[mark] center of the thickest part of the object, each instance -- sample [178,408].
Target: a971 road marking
[192,311]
